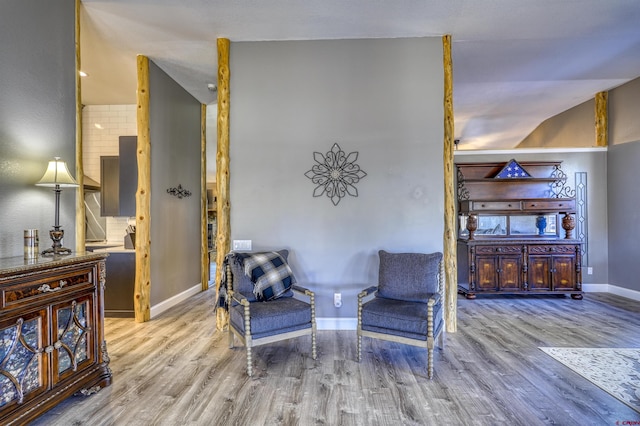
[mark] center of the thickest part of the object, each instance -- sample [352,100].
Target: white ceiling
[516,62]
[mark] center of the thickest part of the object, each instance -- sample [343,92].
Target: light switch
[242,244]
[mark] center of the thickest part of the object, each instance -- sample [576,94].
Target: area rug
[614,370]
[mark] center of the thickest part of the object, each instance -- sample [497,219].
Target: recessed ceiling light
[83,74]
[98,126]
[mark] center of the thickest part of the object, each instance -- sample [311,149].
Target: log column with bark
[204,244]
[142,287]
[450,264]
[222,171]
[602,119]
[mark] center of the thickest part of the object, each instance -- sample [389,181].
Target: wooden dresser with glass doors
[51,332]
[516,221]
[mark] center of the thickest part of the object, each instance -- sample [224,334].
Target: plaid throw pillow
[270,273]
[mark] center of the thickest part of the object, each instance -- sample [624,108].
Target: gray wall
[175,160]
[624,215]
[624,102]
[380,98]
[595,164]
[572,128]
[37,117]
[622,182]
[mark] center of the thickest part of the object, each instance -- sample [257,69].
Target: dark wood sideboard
[52,341]
[510,238]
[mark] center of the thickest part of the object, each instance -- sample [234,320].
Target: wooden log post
[222,171]
[204,242]
[602,119]
[80,209]
[449,243]
[142,287]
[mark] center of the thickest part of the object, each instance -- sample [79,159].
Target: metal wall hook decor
[335,174]
[179,192]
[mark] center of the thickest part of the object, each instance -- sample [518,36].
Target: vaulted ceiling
[516,62]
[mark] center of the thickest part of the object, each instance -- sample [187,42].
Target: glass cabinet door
[23,363]
[72,341]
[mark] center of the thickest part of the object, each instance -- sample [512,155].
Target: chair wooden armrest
[238,297]
[302,290]
[367,291]
[434,300]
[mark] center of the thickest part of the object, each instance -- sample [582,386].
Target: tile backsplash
[102,125]
[117,229]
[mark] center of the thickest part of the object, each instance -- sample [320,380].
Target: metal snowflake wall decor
[335,174]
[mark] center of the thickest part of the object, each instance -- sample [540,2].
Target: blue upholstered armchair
[407,305]
[256,321]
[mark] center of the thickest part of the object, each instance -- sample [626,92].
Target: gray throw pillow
[411,277]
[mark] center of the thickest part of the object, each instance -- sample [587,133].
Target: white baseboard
[595,288]
[337,323]
[608,288]
[172,301]
[624,292]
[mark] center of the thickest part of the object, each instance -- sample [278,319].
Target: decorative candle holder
[472,225]
[568,224]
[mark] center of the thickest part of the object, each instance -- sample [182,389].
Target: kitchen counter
[106,247]
[121,267]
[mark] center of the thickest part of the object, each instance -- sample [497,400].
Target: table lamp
[57,176]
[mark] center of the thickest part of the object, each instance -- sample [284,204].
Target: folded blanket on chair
[269,272]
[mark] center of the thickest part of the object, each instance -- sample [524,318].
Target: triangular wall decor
[512,170]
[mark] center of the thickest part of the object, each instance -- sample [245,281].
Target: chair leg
[313,344]
[247,336]
[231,338]
[312,303]
[249,363]
[430,362]
[359,351]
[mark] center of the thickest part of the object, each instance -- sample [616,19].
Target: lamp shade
[57,174]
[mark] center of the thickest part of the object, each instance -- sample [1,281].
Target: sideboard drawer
[33,290]
[551,205]
[553,249]
[495,249]
[495,205]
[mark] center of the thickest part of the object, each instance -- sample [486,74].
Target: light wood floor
[175,370]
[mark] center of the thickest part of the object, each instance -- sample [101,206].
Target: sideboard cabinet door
[74,345]
[487,275]
[564,272]
[23,362]
[510,273]
[540,273]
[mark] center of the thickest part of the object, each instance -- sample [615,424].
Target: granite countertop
[11,265]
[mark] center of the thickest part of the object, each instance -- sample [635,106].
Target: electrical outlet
[337,299]
[242,244]
[589,270]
